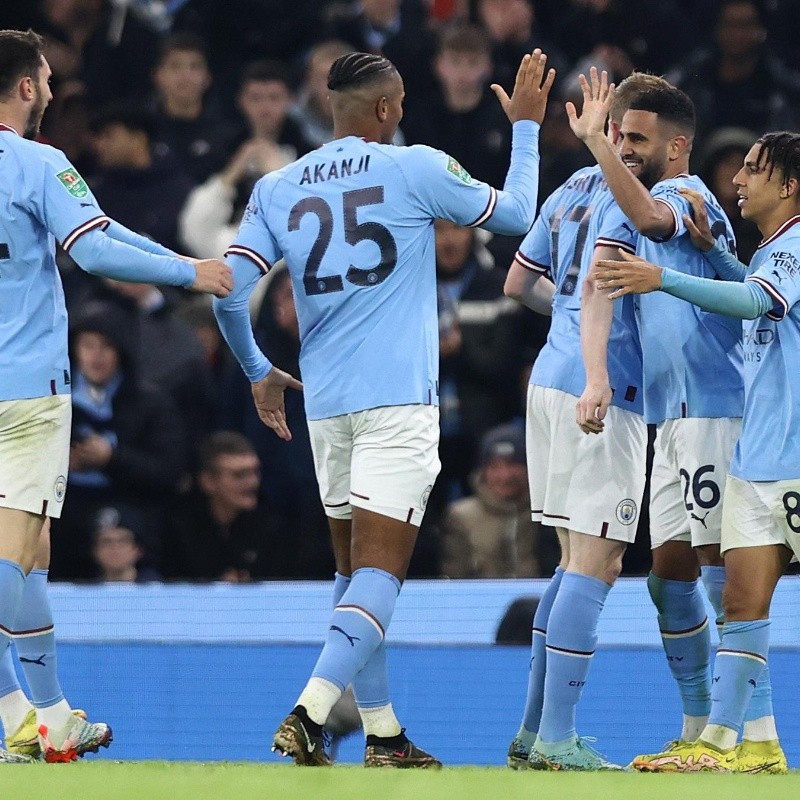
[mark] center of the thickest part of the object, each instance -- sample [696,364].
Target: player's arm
[597,315]
[251,256]
[633,275]
[530,287]
[100,254]
[716,251]
[651,217]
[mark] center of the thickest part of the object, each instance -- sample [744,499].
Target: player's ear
[382,108]
[677,147]
[27,88]
[790,188]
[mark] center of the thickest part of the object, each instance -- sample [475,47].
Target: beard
[652,172]
[35,117]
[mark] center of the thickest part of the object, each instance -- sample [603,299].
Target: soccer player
[354,222]
[578,224]
[45,199]
[761,510]
[693,390]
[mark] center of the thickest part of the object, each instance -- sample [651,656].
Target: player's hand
[597,97]
[632,275]
[592,407]
[697,223]
[268,397]
[529,98]
[213,277]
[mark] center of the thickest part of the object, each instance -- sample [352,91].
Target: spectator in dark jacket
[127,440]
[221,532]
[144,192]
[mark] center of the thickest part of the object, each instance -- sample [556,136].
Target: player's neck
[774,220]
[12,118]
[367,132]
[674,168]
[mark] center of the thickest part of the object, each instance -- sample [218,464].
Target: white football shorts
[383,460]
[590,483]
[761,513]
[687,485]
[34,453]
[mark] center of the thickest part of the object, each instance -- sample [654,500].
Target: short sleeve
[667,193]
[445,189]
[534,253]
[616,230]
[779,276]
[68,207]
[254,239]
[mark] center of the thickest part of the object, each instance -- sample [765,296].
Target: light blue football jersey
[692,358]
[580,215]
[769,445]
[42,199]
[354,222]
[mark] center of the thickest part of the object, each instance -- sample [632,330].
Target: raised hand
[597,97]
[529,98]
[213,277]
[268,397]
[697,223]
[632,275]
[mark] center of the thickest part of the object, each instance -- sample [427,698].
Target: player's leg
[393,465]
[371,685]
[19,532]
[755,557]
[544,409]
[594,565]
[67,733]
[602,507]
[673,582]
[520,748]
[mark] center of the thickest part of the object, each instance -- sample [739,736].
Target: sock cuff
[13,566]
[44,572]
[363,571]
[586,585]
[715,571]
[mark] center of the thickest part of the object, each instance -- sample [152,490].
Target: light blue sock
[535,698]
[12,584]
[371,685]
[761,700]
[683,623]
[8,675]
[358,625]
[571,642]
[741,658]
[36,642]
[714,580]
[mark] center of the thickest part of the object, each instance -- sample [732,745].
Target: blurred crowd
[172,109]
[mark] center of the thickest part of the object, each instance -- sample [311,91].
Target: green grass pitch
[154,780]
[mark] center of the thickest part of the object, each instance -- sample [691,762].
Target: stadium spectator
[463,118]
[144,192]
[312,109]
[189,126]
[513,30]
[737,81]
[648,36]
[97,44]
[720,159]
[127,441]
[396,29]
[220,531]
[117,546]
[490,534]
[211,216]
[166,350]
